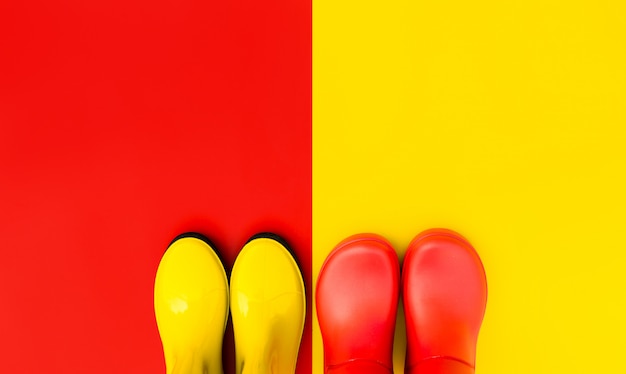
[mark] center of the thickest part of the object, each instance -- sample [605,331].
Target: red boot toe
[357,297]
[445,295]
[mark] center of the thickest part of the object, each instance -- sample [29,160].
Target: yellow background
[504,121]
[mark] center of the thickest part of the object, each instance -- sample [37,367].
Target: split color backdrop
[125,123]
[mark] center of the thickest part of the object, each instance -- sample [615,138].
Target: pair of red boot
[444,289]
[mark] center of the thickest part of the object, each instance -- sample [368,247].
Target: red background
[122,125]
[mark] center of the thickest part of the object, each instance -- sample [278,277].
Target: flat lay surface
[126,123]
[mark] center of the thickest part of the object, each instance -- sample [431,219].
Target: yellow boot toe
[191,306]
[267,306]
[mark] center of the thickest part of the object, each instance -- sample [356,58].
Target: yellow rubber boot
[268,307]
[191,306]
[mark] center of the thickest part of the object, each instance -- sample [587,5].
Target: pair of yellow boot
[266,299]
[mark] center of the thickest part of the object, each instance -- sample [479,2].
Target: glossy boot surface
[268,307]
[357,298]
[445,295]
[191,306]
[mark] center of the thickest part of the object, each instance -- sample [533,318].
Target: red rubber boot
[357,299]
[445,295]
